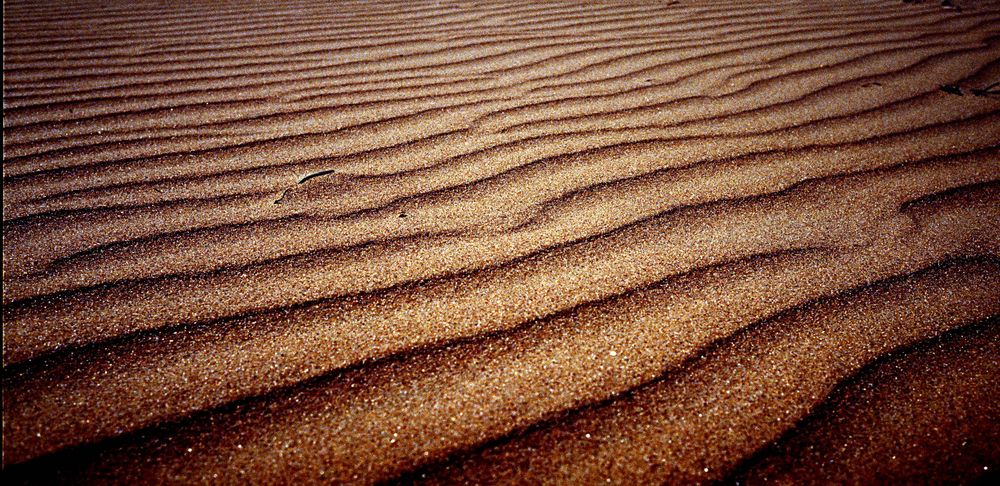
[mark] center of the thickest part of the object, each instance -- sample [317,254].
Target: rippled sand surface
[501,242]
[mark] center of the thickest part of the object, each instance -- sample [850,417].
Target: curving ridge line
[975,15]
[545,216]
[106,128]
[203,432]
[30,327]
[735,27]
[781,369]
[444,241]
[106,131]
[931,370]
[254,148]
[846,261]
[883,147]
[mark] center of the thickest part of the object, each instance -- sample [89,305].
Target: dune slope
[491,241]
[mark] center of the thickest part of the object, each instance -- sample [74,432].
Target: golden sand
[501,242]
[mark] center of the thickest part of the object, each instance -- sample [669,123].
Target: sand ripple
[480,242]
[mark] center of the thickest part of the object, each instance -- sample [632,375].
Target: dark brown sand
[501,242]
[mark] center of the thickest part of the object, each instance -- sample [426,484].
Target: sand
[501,242]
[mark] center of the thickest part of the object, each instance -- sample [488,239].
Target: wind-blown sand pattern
[501,242]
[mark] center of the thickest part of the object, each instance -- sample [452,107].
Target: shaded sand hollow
[501,242]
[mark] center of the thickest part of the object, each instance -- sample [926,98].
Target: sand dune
[480,242]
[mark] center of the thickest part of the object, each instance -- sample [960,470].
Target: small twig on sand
[987,91]
[951,89]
